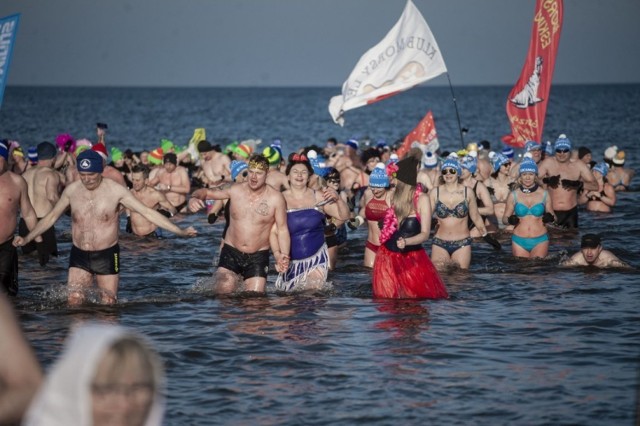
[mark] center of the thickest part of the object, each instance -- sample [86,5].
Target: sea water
[518,342]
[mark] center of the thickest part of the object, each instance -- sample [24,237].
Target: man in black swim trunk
[95,207]
[255,208]
[563,178]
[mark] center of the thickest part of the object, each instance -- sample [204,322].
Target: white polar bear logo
[528,96]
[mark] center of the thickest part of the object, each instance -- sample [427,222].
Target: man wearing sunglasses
[564,177]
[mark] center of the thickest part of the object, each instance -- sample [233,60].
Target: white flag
[406,57]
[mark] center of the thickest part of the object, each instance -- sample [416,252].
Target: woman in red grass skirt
[402,269]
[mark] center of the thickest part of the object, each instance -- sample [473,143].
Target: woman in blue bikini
[528,209]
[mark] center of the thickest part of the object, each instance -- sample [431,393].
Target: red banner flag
[527,102]
[424,133]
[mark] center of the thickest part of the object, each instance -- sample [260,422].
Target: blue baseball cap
[90,162]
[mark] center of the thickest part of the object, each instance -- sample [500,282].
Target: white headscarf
[65,397]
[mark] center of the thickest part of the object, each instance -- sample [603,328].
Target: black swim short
[100,262]
[249,265]
[48,239]
[567,219]
[8,268]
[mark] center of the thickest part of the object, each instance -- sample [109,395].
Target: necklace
[529,190]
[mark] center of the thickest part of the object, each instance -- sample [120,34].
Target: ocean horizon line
[249,87]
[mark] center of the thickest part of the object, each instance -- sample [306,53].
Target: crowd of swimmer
[299,209]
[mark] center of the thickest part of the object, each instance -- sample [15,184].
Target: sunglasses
[562,151]
[449,172]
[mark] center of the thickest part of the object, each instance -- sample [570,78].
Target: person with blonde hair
[402,268]
[453,204]
[528,210]
[106,375]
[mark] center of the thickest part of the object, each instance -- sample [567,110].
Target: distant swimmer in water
[172,180]
[619,176]
[95,207]
[592,254]
[151,198]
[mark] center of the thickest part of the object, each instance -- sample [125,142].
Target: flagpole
[453,96]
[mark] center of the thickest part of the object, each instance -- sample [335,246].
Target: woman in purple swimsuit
[306,210]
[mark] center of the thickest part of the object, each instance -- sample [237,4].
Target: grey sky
[302,42]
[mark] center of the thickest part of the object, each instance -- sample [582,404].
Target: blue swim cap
[90,162]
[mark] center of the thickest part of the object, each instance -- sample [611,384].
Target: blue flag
[8,31]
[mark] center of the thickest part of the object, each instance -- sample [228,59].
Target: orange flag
[424,133]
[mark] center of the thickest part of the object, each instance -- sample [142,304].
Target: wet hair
[140,168]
